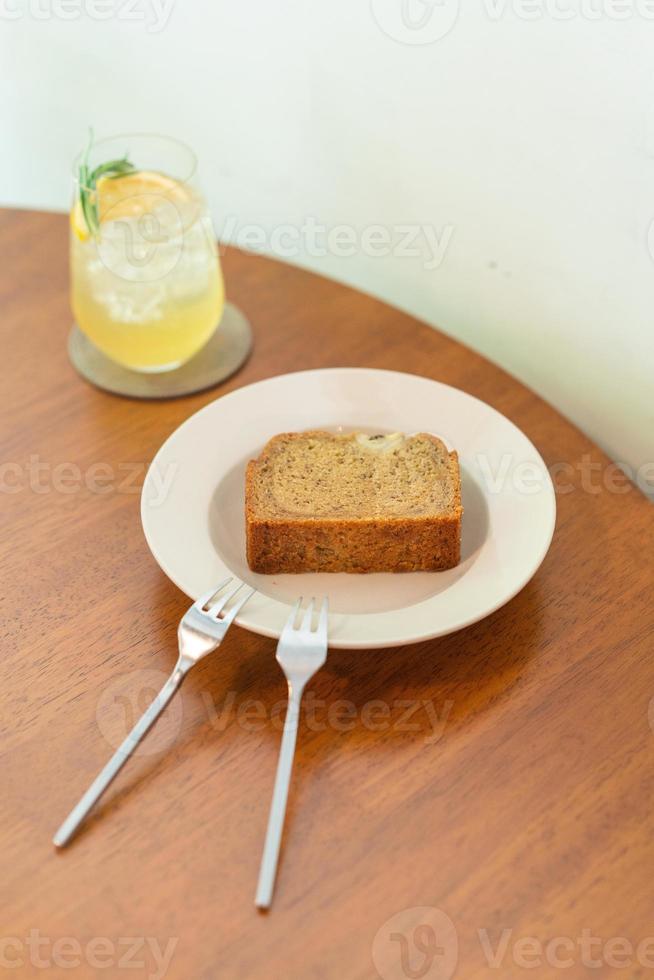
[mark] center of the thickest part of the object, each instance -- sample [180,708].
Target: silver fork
[200,632]
[300,653]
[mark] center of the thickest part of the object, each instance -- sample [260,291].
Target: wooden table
[502,776]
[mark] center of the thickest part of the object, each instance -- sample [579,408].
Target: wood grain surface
[497,783]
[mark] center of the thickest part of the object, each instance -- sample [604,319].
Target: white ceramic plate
[193,501]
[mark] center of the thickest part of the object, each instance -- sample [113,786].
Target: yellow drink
[146,288]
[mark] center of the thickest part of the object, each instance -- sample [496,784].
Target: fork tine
[222,602]
[229,617]
[204,599]
[322,619]
[306,619]
[290,622]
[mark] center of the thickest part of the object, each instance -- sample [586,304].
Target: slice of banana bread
[318,502]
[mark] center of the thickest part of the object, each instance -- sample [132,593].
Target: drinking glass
[146,284]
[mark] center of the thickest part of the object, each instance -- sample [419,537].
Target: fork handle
[271,847]
[123,752]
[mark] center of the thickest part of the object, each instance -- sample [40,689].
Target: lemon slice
[128,196]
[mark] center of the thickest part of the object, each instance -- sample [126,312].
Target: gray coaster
[221,356]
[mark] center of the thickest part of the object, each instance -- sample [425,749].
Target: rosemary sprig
[88,180]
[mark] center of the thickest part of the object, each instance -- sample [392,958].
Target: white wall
[523,138]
